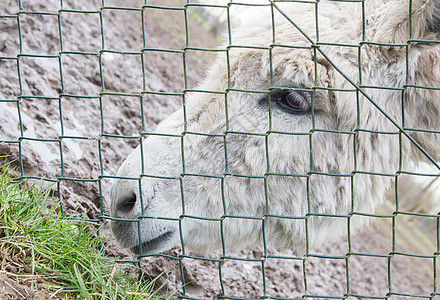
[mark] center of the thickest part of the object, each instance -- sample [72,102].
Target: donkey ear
[393,23]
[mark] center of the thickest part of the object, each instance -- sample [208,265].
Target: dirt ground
[69,132]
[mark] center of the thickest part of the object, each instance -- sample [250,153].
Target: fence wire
[65,136]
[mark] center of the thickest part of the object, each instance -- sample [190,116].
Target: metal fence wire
[20,94]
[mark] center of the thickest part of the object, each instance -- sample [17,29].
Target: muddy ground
[74,114]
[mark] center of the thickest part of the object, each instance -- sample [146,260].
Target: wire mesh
[101,52]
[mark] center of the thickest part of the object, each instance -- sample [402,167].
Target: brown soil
[26,286]
[70,132]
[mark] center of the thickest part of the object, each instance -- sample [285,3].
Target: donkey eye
[294,102]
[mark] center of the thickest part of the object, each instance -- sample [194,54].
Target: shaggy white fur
[320,151]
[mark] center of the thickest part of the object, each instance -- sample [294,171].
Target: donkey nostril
[127,203]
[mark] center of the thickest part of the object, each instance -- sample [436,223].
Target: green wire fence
[16,13]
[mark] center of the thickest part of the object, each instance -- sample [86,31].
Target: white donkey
[300,137]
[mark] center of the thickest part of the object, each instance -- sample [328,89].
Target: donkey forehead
[262,69]
[269,56]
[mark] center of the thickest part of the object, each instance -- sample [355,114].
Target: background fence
[83,82]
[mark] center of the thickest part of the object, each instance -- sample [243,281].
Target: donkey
[310,116]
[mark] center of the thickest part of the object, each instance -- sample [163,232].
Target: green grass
[36,240]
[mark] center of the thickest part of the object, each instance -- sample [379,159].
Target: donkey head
[299,125]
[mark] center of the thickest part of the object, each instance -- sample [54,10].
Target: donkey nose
[126,203]
[123,199]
